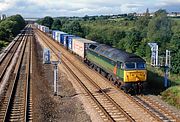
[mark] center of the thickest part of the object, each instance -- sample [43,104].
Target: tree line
[10,27]
[128,33]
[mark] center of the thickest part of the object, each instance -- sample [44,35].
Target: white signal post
[155,62]
[55,63]
[167,66]
[154,54]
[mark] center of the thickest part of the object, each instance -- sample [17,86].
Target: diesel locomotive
[126,70]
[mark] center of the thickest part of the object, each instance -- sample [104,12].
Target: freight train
[125,70]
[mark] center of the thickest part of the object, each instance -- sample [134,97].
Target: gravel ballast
[65,107]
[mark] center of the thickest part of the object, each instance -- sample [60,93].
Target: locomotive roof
[115,54]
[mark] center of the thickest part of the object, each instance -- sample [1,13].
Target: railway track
[17,103]
[157,109]
[108,108]
[7,57]
[162,116]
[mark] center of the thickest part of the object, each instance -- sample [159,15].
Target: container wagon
[80,45]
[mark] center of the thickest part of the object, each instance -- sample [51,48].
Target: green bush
[172,96]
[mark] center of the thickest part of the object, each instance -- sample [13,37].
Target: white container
[56,35]
[80,45]
[46,30]
[42,28]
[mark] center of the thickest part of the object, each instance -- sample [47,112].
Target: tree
[11,26]
[73,28]
[134,39]
[47,21]
[20,21]
[175,52]
[86,17]
[56,25]
[116,35]
[147,12]
[159,28]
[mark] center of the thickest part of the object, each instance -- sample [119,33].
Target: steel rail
[13,90]
[94,84]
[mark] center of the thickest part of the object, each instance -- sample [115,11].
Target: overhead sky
[55,8]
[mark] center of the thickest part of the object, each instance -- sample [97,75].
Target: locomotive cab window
[140,65]
[130,65]
[92,47]
[118,64]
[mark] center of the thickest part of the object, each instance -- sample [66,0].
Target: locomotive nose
[137,78]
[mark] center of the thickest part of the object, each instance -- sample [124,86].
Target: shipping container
[61,39]
[66,40]
[46,30]
[70,39]
[36,25]
[80,45]
[39,26]
[42,28]
[56,35]
[53,34]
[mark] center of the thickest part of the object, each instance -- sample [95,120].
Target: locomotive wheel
[119,84]
[98,70]
[124,89]
[103,73]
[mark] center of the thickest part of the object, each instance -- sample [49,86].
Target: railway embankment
[171,95]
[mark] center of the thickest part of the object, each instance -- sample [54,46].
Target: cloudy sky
[41,8]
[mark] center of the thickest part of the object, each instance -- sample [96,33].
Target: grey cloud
[29,8]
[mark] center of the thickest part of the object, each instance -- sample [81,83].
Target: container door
[70,43]
[66,42]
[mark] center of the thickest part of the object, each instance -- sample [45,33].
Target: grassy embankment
[3,44]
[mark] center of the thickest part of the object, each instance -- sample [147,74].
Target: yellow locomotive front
[135,72]
[135,75]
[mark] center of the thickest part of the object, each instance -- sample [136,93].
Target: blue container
[66,40]
[54,34]
[61,37]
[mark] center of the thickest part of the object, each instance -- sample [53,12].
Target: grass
[3,44]
[172,96]
[155,80]
[156,76]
